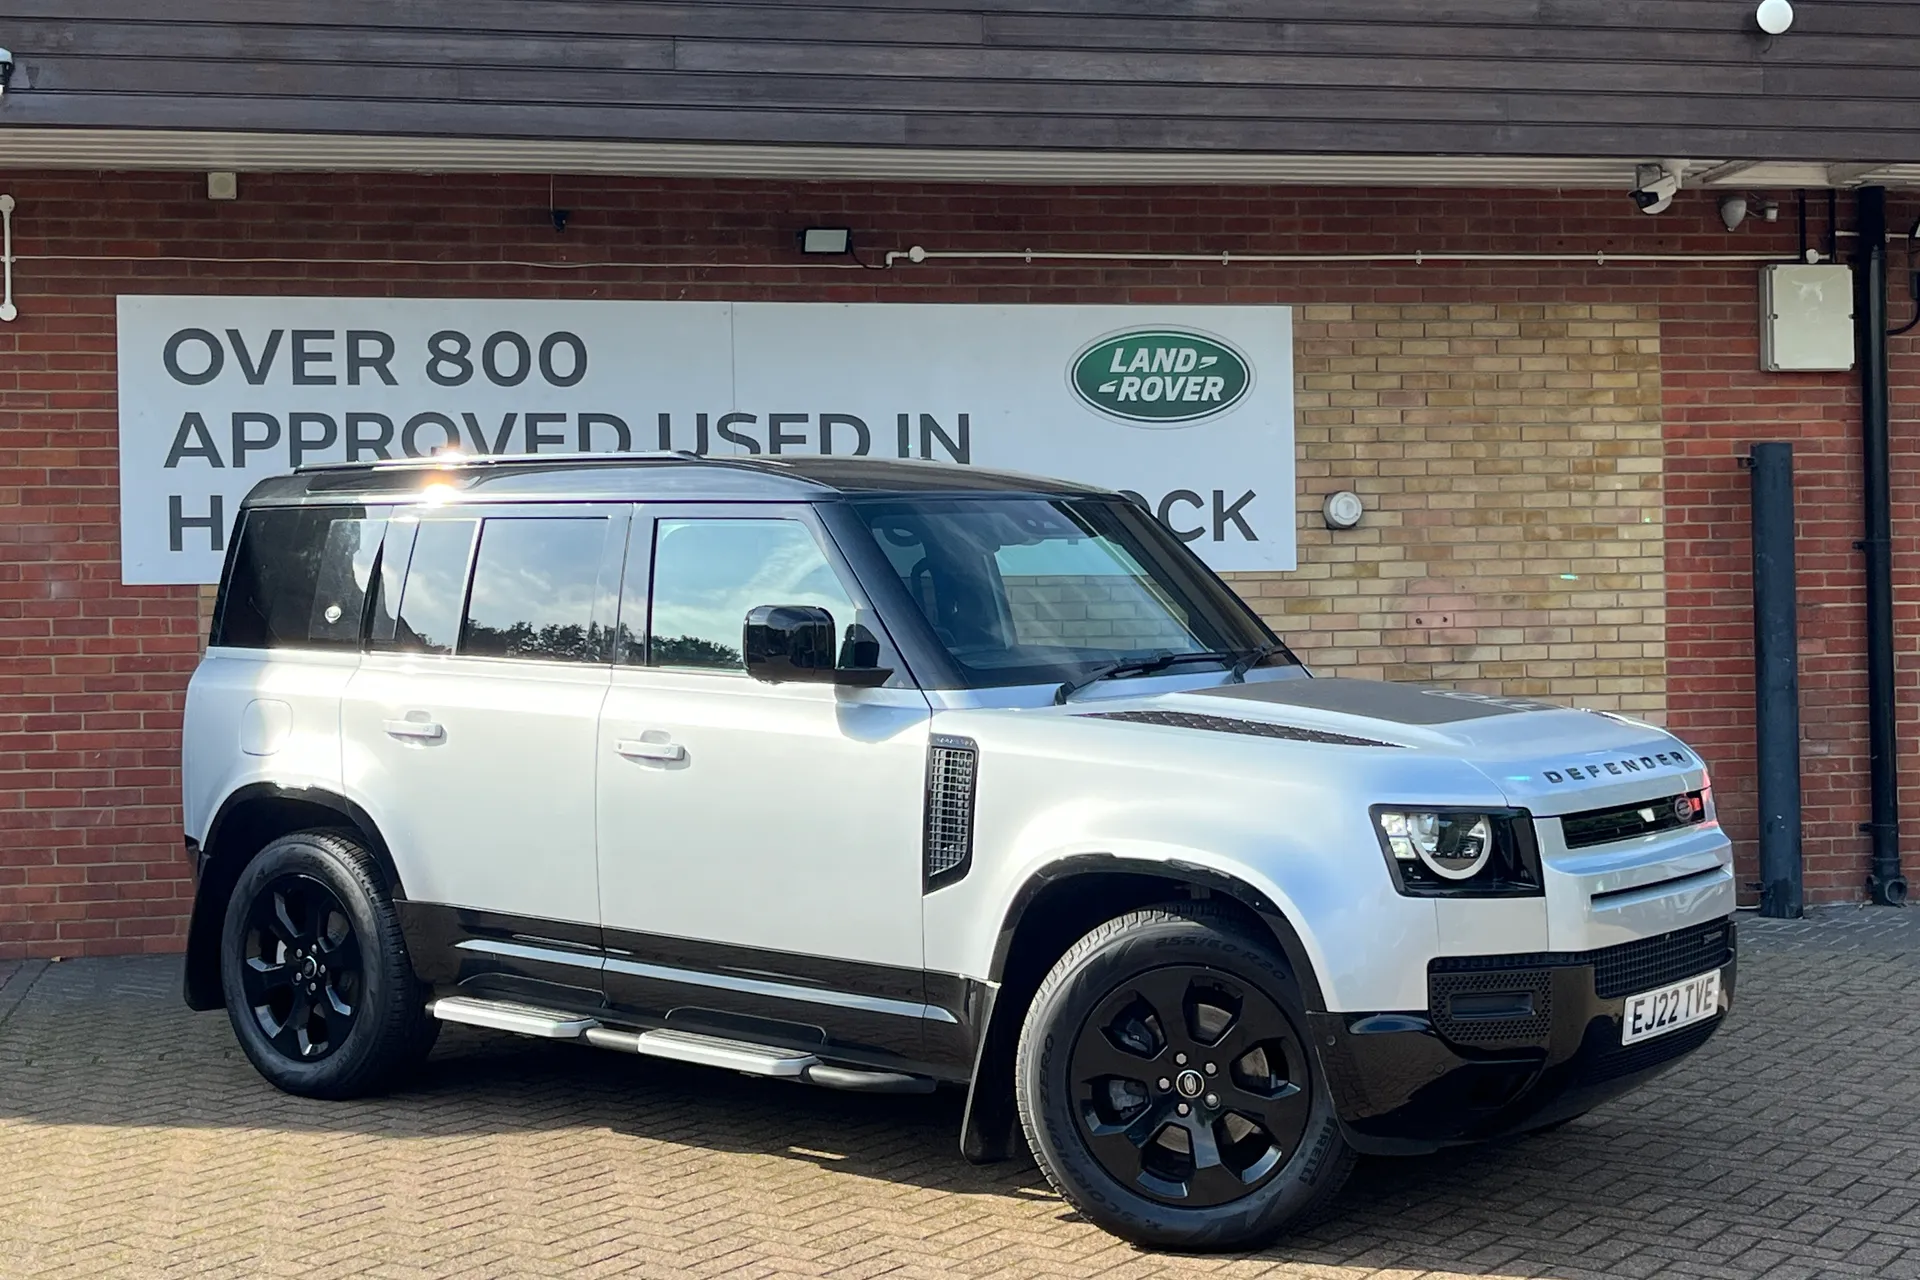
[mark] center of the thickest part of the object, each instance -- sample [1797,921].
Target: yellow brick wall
[1510,461]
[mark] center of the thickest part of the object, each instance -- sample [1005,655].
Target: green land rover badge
[1161,376]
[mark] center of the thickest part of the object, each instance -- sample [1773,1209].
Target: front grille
[1654,962]
[1624,822]
[951,769]
[1232,724]
[1490,1006]
[1620,970]
[1490,1001]
[1625,1060]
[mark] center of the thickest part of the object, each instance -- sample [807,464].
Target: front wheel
[1167,1089]
[315,972]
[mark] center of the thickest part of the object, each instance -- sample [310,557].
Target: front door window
[708,573]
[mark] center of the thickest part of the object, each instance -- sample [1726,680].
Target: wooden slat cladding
[1506,77]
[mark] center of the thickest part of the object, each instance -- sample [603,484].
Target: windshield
[1025,590]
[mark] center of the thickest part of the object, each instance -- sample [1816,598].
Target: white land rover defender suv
[884,776]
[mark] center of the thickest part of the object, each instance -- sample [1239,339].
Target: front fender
[1288,819]
[1196,876]
[1362,943]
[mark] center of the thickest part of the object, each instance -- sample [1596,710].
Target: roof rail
[450,459]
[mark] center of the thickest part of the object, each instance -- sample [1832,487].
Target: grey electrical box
[1806,318]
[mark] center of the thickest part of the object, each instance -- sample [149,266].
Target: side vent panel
[952,764]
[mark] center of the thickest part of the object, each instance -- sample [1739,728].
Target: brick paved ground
[135,1141]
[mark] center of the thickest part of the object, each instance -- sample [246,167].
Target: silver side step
[707,1051]
[678,1046]
[520,1019]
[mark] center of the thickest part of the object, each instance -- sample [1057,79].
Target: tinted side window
[428,619]
[536,590]
[708,573]
[299,578]
[346,576]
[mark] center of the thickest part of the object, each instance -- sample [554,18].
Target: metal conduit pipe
[917,254]
[1597,257]
[1885,883]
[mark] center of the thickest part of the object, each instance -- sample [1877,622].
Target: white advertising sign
[1188,409]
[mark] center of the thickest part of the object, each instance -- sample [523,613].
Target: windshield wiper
[1254,657]
[1237,674]
[1133,667]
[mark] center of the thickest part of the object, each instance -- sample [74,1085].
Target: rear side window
[299,578]
[536,591]
[428,619]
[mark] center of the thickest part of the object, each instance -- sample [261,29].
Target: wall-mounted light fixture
[1774,16]
[6,69]
[826,240]
[1343,510]
[1735,208]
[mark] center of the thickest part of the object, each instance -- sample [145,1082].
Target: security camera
[6,69]
[1655,186]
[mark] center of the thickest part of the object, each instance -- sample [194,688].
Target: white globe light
[1343,510]
[1774,16]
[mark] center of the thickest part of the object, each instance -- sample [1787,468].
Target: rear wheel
[1167,1089]
[315,972]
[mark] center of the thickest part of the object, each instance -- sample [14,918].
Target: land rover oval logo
[1161,377]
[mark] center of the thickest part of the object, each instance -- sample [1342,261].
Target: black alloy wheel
[302,969]
[315,972]
[1189,1086]
[1166,1086]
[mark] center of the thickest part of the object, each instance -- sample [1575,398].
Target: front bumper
[1510,1043]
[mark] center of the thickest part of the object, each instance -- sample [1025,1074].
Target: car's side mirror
[789,643]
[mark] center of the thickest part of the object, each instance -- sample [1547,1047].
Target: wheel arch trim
[1191,874]
[219,869]
[986,1126]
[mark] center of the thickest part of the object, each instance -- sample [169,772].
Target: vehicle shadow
[1697,1162]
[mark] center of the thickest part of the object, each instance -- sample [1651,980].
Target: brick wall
[1509,455]
[92,672]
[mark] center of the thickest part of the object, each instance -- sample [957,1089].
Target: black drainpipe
[1884,882]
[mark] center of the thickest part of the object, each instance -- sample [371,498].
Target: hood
[1543,756]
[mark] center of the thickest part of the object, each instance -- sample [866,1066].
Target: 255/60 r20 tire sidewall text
[1163,948]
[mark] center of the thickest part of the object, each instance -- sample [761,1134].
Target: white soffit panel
[185,149]
[42,147]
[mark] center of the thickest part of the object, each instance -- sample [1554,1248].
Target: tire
[315,972]
[1094,1053]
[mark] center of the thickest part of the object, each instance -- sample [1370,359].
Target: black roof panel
[638,478]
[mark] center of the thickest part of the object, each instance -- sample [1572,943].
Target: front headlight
[1458,852]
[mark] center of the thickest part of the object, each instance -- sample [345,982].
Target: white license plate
[1654,1013]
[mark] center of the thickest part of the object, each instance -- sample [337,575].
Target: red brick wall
[91,672]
